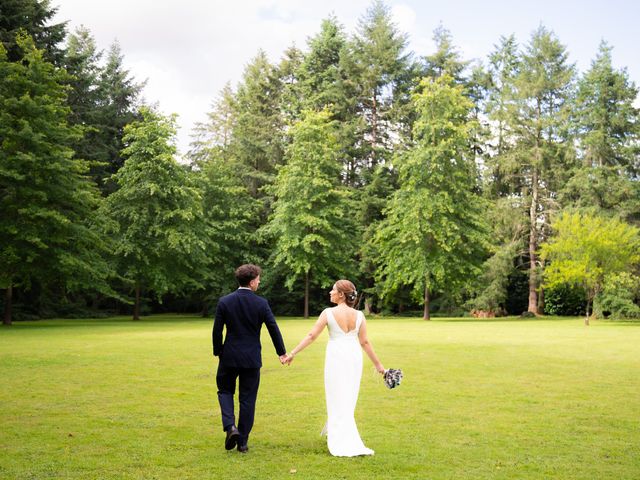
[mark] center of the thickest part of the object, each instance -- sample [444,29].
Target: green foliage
[619,297]
[155,216]
[118,97]
[446,60]
[32,17]
[228,212]
[433,233]
[48,231]
[494,279]
[257,139]
[565,300]
[607,126]
[312,214]
[587,250]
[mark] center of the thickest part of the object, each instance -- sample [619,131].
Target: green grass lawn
[518,399]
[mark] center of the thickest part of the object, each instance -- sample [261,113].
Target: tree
[377,66]
[379,75]
[213,137]
[118,103]
[433,233]
[446,59]
[47,202]
[587,250]
[156,213]
[32,17]
[543,154]
[311,221]
[229,212]
[257,140]
[324,84]
[81,61]
[608,131]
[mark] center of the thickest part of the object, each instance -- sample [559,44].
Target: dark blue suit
[242,313]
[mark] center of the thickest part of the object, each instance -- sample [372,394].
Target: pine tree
[81,61]
[544,153]
[377,68]
[32,17]
[118,103]
[446,60]
[608,130]
[257,140]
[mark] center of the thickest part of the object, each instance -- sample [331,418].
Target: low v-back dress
[342,374]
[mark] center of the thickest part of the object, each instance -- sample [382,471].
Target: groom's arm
[274,331]
[218,326]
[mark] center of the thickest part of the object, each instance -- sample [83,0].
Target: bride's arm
[367,347]
[311,336]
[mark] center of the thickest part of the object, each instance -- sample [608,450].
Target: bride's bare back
[345,318]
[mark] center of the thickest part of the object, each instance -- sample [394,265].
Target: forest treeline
[437,184]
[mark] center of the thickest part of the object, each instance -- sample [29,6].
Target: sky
[188,50]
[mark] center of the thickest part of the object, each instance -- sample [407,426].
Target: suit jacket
[243,313]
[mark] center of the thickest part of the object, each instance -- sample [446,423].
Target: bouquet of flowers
[392,377]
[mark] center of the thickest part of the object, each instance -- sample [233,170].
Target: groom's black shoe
[233,435]
[243,448]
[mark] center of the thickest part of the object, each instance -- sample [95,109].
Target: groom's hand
[283,358]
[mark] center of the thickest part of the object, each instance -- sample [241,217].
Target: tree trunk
[8,299]
[205,309]
[541,299]
[426,314]
[533,245]
[367,306]
[136,307]
[586,319]
[306,295]
[374,129]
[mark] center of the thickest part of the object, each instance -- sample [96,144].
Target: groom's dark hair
[246,273]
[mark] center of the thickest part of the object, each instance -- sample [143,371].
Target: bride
[343,367]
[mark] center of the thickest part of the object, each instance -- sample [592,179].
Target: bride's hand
[288,359]
[380,369]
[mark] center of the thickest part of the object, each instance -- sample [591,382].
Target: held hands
[286,359]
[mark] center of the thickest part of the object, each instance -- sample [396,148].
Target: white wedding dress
[342,374]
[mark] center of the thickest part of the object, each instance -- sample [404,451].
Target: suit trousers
[248,380]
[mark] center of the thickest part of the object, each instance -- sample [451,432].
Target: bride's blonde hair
[349,290]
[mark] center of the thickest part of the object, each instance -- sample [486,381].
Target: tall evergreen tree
[81,61]
[433,233]
[291,98]
[608,131]
[213,137]
[544,154]
[33,17]
[312,215]
[323,83]
[446,60]
[229,209]
[381,75]
[257,140]
[156,213]
[377,67]
[119,96]
[46,199]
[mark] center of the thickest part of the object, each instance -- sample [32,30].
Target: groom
[242,313]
